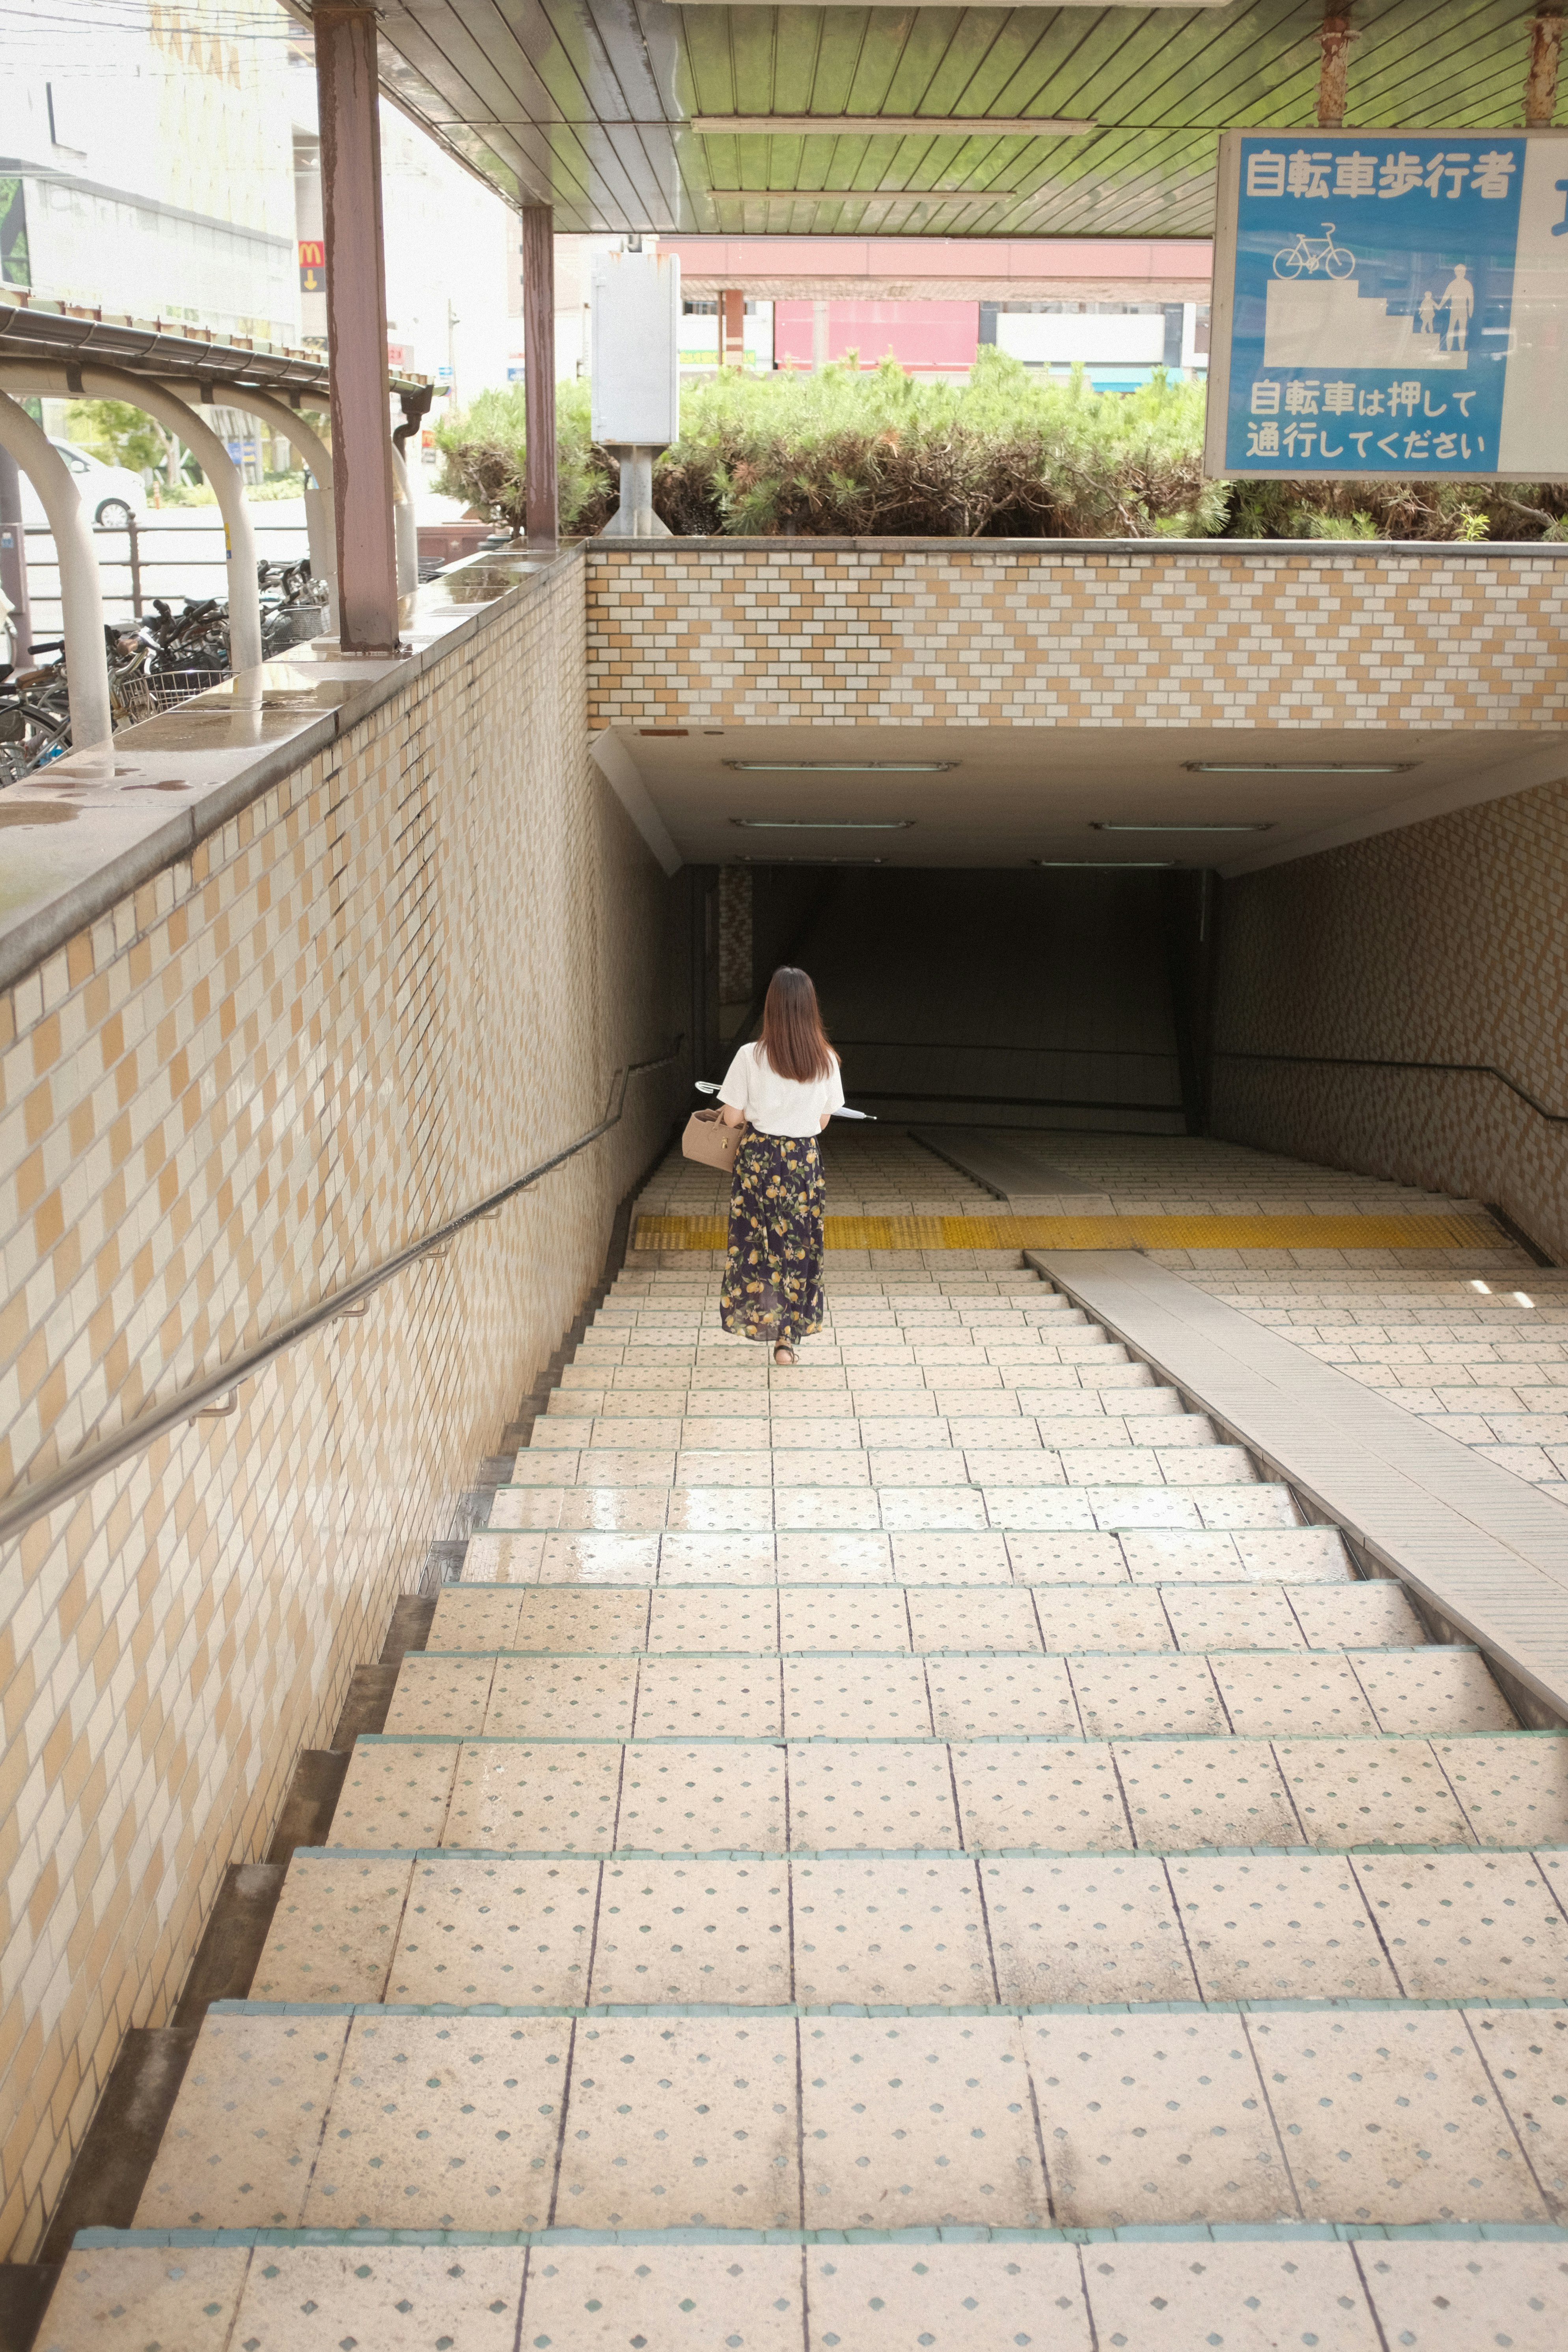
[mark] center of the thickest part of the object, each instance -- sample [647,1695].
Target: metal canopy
[66,334]
[587,105]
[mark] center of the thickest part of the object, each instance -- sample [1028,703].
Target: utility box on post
[635,374]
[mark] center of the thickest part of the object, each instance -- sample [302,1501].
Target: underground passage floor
[926,1848]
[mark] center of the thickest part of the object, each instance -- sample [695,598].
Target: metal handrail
[24,1505]
[1372,1062]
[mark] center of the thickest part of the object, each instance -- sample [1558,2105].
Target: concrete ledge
[1480,1548]
[1282,551]
[84,833]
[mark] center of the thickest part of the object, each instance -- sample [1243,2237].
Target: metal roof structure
[634,115]
[67,334]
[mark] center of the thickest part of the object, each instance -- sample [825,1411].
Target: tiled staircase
[924,1849]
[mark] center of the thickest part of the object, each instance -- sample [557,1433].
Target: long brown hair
[794,1041]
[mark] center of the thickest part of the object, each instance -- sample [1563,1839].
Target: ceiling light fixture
[1300,767]
[843,767]
[823,823]
[1248,825]
[1105,864]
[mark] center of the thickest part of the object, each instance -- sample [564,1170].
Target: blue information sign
[1390,302]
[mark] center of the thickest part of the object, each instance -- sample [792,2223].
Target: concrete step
[870,1692]
[1373,1613]
[690,1542]
[408,2117]
[926,1495]
[714,1795]
[1191,2286]
[945,1931]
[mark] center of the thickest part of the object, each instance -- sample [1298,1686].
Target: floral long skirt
[772,1277]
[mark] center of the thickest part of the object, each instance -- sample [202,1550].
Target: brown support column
[539,375]
[347,97]
[1545,54]
[1336,35]
[731,327]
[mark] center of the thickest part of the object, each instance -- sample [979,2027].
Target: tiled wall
[399,978]
[982,635]
[1442,942]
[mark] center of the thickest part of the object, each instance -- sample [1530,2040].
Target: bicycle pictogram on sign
[1310,253]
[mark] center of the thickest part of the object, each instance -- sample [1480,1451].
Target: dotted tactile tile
[439,1698]
[126,2298]
[856,1698]
[1355,1792]
[1524,2053]
[1143,1697]
[1268,1697]
[247,2124]
[990,1697]
[552,1799]
[396,1793]
[508,1931]
[1429,2297]
[1119,1618]
[744,1622]
[887,1932]
[878,1793]
[709,1699]
[332,1935]
[1249,2298]
[694,1931]
[454,2118]
[983,2298]
[1061,1795]
[703,1799]
[469,1618]
[399,2299]
[854,1617]
[676,2123]
[687,2299]
[1437,1689]
[1461,1926]
[1156,2119]
[1231,1617]
[911,2127]
[1514,1791]
[1285,1927]
[1074,1929]
[1374,1614]
[1194,1792]
[1390,2116]
[559,1621]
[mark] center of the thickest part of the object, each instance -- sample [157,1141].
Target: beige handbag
[707,1139]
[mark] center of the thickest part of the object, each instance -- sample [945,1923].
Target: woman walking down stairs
[920,1848]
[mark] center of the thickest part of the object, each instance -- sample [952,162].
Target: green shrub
[1010,454]
[484,450]
[846,453]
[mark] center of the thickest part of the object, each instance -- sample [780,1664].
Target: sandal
[783,1353]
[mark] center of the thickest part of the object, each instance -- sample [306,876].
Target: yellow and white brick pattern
[978,636]
[398,979]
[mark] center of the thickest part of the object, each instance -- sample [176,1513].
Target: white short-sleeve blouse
[775,1105]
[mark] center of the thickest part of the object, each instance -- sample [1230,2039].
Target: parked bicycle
[164,660]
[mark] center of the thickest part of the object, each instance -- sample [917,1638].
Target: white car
[111,494]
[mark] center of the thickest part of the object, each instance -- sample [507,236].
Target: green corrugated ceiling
[587,105]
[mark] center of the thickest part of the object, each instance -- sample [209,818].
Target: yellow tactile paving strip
[1104,1233]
